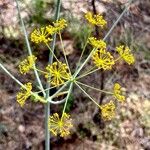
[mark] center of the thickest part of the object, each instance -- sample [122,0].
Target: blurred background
[23,128]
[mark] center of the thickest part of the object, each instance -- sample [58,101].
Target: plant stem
[29,49]
[86,94]
[47,106]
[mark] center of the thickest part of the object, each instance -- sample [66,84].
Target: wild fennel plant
[59,75]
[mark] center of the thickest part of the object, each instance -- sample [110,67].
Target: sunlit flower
[126,54]
[108,110]
[60,24]
[27,64]
[58,72]
[40,36]
[97,43]
[102,59]
[118,93]
[24,93]
[60,126]
[96,19]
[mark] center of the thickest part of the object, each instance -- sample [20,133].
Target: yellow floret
[108,110]
[97,43]
[96,19]
[118,93]
[24,93]
[60,126]
[58,72]
[126,54]
[40,36]
[60,24]
[103,60]
[27,64]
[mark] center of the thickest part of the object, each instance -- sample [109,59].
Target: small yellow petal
[60,126]
[97,20]
[58,72]
[126,54]
[24,93]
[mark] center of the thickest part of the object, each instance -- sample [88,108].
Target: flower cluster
[40,36]
[43,34]
[125,54]
[27,64]
[58,72]
[97,43]
[103,59]
[24,93]
[60,24]
[118,93]
[60,126]
[97,20]
[108,110]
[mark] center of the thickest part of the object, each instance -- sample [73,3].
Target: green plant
[59,75]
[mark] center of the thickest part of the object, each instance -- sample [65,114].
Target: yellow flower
[58,72]
[27,64]
[96,19]
[40,36]
[61,125]
[118,93]
[126,54]
[108,110]
[24,93]
[97,43]
[60,24]
[51,30]
[103,59]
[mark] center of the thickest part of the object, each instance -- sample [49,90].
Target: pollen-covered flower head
[27,64]
[102,59]
[108,110]
[40,36]
[97,43]
[126,54]
[118,93]
[51,30]
[60,24]
[58,72]
[24,93]
[97,20]
[60,126]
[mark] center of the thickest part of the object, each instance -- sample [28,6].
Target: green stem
[67,98]
[106,36]
[87,94]
[29,49]
[81,76]
[64,51]
[107,92]
[47,106]
[17,81]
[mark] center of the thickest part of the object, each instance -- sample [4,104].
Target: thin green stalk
[86,94]
[106,36]
[83,75]
[64,51]
[78,64]
[67,98]
[107,92]
[47,106]
[17,81]
[52,53]
[29,48]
